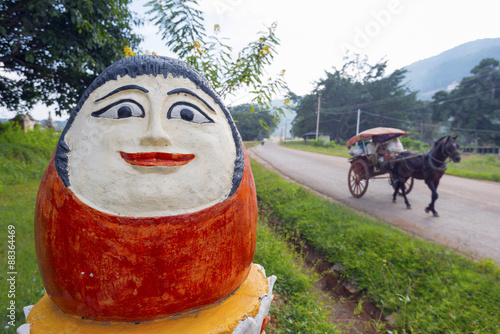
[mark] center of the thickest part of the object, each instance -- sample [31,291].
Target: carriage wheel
[358,178]
[408,185]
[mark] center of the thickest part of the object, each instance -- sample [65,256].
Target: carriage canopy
[384,134]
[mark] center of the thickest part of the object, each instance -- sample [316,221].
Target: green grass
[24,156]
[250,144]
[428,288]
[296,308]
[337,150]
[480,167]
[17,205]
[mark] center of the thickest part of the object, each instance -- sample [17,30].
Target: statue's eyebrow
[187,91]
[121,89]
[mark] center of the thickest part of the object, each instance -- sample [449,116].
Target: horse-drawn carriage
[366,164]
[385,155]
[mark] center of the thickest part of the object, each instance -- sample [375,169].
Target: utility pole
[421,130]
[357,123]
[317,118]
[285,130]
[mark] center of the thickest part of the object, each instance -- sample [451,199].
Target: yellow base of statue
[222,317]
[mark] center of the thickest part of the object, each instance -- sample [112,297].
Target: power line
[429,125]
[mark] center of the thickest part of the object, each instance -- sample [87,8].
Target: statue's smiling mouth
[153,159]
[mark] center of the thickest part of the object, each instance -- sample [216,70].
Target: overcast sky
[314,34]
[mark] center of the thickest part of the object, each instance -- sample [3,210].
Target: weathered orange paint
[218,318]
[107,267]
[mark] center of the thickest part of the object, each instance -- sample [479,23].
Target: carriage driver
[373,149]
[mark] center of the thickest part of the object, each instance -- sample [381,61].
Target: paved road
[469,209]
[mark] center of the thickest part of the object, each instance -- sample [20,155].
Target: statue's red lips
[150,159]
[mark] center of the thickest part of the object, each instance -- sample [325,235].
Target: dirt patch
[349,309]
[346,310]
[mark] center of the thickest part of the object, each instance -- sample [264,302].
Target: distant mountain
[284,125]
[446,70]
[61,124]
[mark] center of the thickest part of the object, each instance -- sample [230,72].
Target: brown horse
[429,167]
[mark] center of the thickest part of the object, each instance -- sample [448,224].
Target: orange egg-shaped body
[107,267]
[148,138]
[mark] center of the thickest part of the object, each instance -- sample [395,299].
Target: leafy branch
[182,27]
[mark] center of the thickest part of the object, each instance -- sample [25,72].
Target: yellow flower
[287,101]
[265,50]
[128,52]
[216,27]
[197,47]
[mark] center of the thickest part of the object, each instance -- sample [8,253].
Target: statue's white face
[150,146]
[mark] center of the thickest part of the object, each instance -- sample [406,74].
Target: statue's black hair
[149,65]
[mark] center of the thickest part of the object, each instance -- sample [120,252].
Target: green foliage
[253,125]
[23,159]
[429,288]
[58,47]
[473,105]
[384,101]
[317,142]
[182,27]
[24,156]
[414,145]
[296,308]
[330,148]
[480,167]
[17,208]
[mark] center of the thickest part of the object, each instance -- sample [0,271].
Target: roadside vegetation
[421,286]
[472,166]
[318,146]
[23,159]
[297,308]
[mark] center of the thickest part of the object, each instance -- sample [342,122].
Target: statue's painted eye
[121,109]
[188,112]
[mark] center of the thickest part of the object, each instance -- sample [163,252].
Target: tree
[473,107]
[253,125]
[182,27]
[384,100]
[51,50]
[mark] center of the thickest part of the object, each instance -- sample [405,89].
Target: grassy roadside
[479,167]
[472,166]
[23,158]
[337,150]
[426,287]
[296,308]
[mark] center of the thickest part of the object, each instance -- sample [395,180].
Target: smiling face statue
[151,143]
[149,199]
